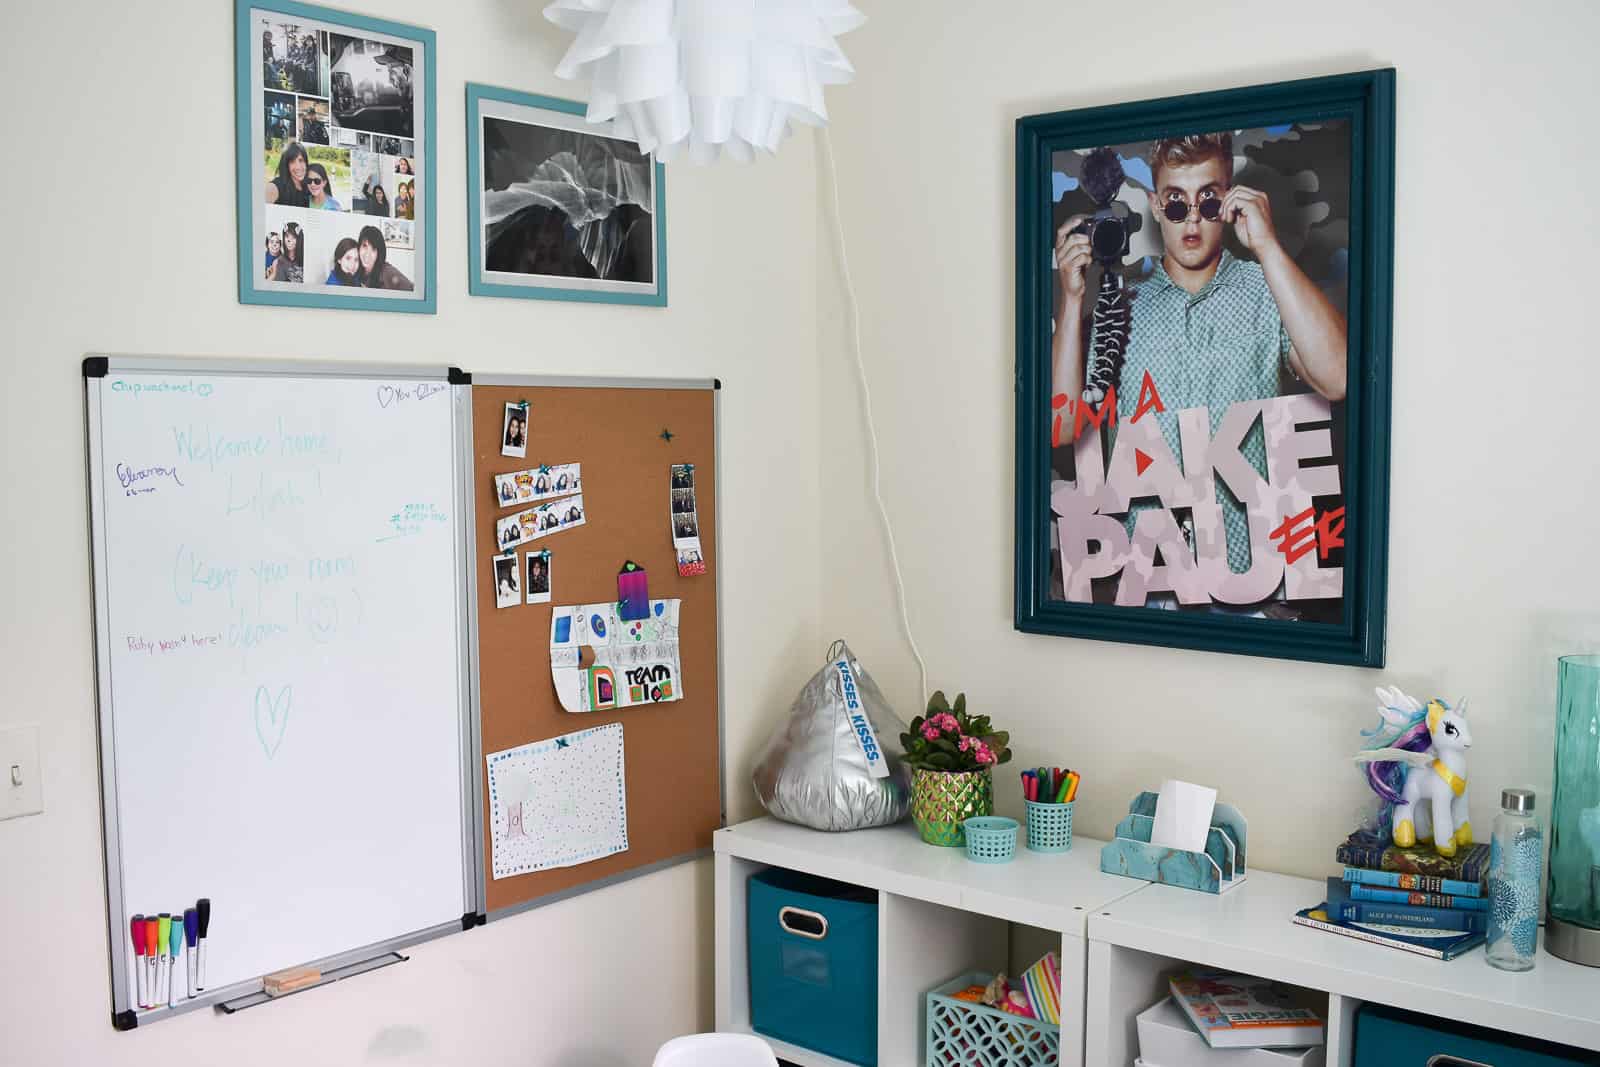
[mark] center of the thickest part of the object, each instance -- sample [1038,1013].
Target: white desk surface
[1251,930]
[1051,891]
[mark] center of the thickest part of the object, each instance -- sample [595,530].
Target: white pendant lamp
[706,75]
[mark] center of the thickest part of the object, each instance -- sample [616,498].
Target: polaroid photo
[691,562]
[514,431]
[507,593]
[683,476]
[536,578]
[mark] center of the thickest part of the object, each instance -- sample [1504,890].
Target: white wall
[121,230]
[1493,441]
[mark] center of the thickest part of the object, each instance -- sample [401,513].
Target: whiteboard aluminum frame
[533,381]
[126,1015]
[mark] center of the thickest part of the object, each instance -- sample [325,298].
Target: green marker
[164,967]
[174,967]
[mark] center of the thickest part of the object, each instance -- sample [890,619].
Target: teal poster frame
[247,113]
[1366,100]
[477,282]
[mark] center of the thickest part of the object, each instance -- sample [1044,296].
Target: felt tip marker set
[1050,785]
[169,955]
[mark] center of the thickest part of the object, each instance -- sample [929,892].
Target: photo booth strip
[631,663]
[685,523]
[534,523]
[537,483]
[558,803]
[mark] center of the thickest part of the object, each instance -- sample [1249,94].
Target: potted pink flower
[952,756]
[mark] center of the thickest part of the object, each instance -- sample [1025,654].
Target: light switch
[20,792]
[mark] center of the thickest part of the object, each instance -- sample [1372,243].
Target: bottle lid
[1519,800]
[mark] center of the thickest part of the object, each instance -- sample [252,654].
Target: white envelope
[1183,816]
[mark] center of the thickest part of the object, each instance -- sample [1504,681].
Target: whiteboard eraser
[276,985]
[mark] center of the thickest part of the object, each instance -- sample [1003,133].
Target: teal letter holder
[1217,869]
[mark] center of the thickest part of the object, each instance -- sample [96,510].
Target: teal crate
[1049,826]
[962,1034]
[813,957]
[1389,1037]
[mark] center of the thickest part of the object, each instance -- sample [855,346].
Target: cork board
[672,749]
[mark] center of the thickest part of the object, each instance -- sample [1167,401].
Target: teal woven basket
[963,1034]
[990,838]
[1049,826]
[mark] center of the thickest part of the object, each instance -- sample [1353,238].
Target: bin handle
[1442,1060]
[811,924]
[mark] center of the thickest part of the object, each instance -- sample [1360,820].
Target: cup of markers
[1049,793]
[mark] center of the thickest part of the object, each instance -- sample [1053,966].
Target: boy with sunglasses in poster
[1208,330]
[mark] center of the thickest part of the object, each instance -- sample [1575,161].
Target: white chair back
[716,1050]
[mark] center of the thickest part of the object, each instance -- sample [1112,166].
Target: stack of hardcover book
[1407,898]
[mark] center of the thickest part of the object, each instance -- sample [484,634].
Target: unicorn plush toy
[1416,761]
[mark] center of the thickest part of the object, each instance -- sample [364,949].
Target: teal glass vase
[1573,890]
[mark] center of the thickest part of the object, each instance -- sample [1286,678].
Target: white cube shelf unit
[1135,942]
[939,915]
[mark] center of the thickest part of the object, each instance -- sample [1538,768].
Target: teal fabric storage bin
[1389,1037]
[813,947]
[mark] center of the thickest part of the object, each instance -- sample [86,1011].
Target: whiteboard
[280,626]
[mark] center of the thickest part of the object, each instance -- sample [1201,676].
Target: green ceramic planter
[942,800]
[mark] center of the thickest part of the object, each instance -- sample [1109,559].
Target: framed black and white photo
[559,208]
[335,159]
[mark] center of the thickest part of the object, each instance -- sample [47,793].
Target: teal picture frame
[477,282]
[247,109]
[1366,100]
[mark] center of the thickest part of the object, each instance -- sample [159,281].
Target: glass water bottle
[1516,861]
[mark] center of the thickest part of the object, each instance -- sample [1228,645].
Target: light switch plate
[19,760]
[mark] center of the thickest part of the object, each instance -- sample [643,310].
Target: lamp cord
[866,404]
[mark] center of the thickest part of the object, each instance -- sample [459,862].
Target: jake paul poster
[1197,360]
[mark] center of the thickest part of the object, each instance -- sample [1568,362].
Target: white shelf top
[1050,890]
[1251,930]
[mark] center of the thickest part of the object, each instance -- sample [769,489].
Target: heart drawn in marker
[385,395]
[272,717]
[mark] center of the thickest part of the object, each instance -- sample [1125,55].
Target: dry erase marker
[203,907]
[163,961]
[152,928]
[191,934]
[136,928]
[176,977]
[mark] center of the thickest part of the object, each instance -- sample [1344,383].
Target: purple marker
[191,935]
